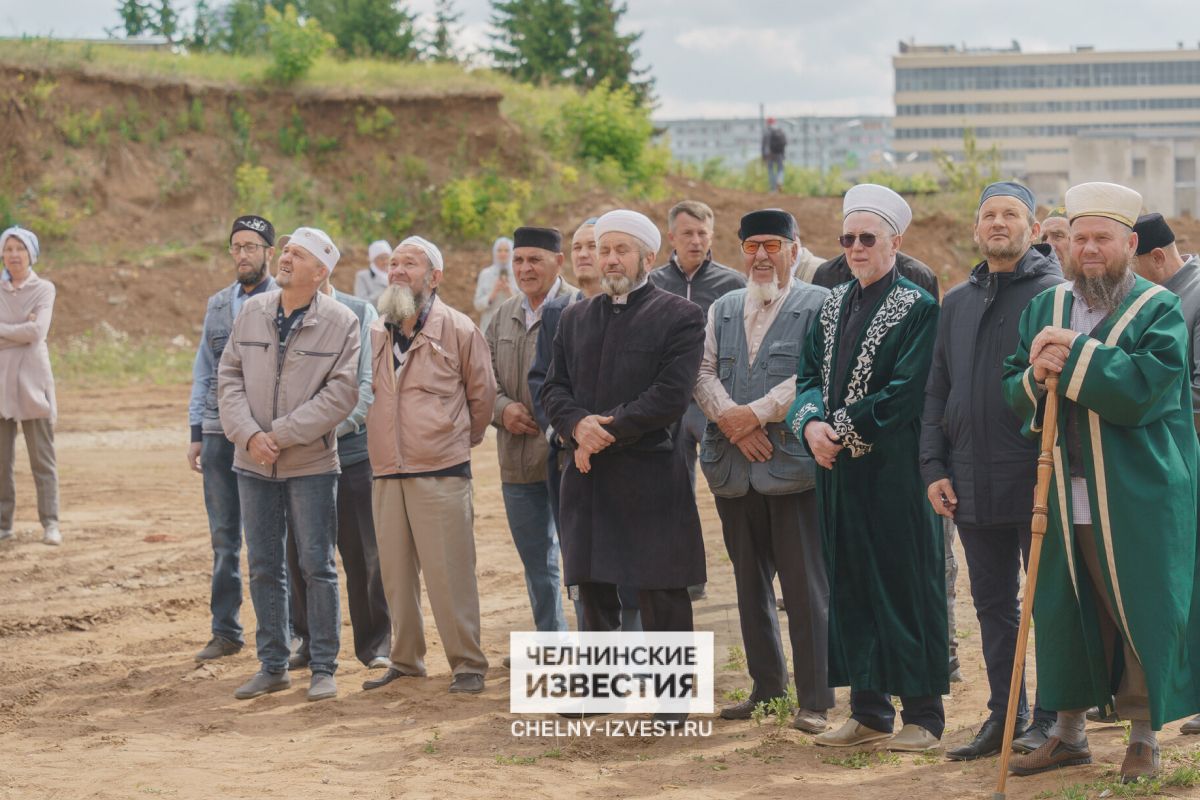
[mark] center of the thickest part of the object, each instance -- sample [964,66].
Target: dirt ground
[100,698]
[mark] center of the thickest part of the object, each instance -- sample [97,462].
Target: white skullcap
[880,201]
[378,248]
[429,248]
[317,242]
[636,225]
[25,237]
[1104,200]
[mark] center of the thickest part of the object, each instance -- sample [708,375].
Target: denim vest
[218,324]
[790,468]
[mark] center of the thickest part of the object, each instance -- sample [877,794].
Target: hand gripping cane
[1045,471]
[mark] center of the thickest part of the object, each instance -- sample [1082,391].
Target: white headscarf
[26,237]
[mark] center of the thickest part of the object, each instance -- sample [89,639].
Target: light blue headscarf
[26,237]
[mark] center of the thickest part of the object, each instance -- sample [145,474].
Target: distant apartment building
[1049,113]
[855,144]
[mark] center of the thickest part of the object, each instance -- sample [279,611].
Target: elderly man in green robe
[1116,610]
[860,388]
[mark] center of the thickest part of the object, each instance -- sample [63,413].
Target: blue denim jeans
[225,528]
[308,504]
[529,518]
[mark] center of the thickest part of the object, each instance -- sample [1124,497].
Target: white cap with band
[639,226]
[429,248]
[880,201]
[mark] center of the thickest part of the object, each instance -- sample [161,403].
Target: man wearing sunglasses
[759,472]
[837,271]
[860,386]
[978,469]
[251,245]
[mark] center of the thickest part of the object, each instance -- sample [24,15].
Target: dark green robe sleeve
[900,401]
[810,399]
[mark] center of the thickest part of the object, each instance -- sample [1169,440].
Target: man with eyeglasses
[860,386]
[978,469]
[251,244]
[759,472]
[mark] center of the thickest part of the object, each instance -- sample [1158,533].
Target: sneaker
[912,738]
[851,734]
[467,683]
[218,647]
[52,535]
[1055,753]
[322,686]
[262,683]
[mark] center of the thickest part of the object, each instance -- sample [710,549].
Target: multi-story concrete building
[1046,111]
[854,144]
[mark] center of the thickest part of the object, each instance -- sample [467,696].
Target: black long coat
[632,520]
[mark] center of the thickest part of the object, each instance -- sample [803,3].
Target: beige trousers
[39,442]
[427,525]
[1133,698]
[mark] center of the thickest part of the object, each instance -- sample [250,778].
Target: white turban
[1103,200]
[880,201]
[25,237]
[636,225]
[317,242]
[378,248]
[429,248]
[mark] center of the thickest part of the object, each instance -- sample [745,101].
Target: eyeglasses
[248,249]
[846,240]
[772,246]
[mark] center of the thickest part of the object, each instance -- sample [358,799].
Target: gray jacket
[1186,284]
[300,390]
[708,282]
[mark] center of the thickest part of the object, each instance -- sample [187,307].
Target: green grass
[108,357]
[366,76]
[516,761]
[863,759]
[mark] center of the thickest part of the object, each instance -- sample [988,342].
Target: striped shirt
[1084,320]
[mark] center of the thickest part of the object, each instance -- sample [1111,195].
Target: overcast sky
[716,58]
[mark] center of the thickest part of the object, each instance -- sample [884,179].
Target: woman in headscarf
[26,384]
[495,282]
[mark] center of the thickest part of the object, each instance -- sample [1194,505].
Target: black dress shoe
[386,678]
[742,710]
[1035,736]
[986,743]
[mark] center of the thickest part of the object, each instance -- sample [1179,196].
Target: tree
[534,40]
[367,27]
[205,27]
[603,54]
[440,46]
[166,23]
[136,18]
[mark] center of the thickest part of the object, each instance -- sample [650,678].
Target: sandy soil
[100,698]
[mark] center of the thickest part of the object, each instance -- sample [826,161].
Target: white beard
[397,304]
[615,285]
[764,293]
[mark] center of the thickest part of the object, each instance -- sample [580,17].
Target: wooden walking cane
[1045,471]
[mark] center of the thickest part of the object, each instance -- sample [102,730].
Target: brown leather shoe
[1053,754]
[1141,761]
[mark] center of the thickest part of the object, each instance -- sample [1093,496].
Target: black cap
[544,238]
[259,225]
[771,221]
[1152,231]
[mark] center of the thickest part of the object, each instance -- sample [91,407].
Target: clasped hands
[590,438]
[263,448]
[1049,351]
[741,426]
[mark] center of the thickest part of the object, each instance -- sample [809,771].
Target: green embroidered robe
[1130,385]
[883,544]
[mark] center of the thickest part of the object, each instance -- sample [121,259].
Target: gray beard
[397,304]
[1106,291]
[763,293]
[615,286]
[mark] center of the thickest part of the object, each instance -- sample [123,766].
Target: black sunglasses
[847,239]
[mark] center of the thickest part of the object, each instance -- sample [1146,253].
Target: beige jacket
[300,395]
[430,415]
[26,383]
[522,457]
[806,264]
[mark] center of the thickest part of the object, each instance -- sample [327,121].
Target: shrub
[293,140]
[611,131]
[253,186]
[483,205]
[80,126]
[377,123]
[295,45]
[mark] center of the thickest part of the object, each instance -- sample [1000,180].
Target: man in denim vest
[251,243]
[759,471]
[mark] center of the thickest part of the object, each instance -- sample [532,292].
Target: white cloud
[773,48]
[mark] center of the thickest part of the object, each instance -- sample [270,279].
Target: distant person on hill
[369,282]
[288,378]
[252,246]
[27,393]
[495,284]
[774,149]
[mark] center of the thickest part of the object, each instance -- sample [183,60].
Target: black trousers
[875,710]
[765,535]
[994,558]
[360,560]
[662,609]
